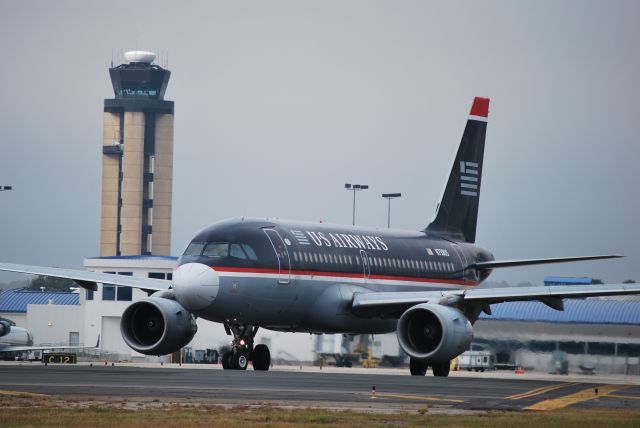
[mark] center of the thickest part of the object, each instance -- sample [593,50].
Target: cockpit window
[194,249]
[216,249]
[250,253]
[236,251]
[221,249]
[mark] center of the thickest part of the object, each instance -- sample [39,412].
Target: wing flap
[510,294]
[392,304]
[88,279]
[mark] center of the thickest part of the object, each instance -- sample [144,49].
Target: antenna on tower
[111,57]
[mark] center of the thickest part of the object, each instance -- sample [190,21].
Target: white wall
[52,323]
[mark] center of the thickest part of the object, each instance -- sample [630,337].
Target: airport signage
[59,358]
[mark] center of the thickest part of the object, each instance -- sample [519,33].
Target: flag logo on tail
[469,178]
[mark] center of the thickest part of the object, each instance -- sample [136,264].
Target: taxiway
[329,389]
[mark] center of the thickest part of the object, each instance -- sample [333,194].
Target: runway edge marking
[578,397]
[22,394]
[416,397]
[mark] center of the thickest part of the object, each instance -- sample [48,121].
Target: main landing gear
[419,368]
[242,351]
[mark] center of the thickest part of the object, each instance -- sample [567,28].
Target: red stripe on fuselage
[344,275]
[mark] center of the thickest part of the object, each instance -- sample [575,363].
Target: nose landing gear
[243,351]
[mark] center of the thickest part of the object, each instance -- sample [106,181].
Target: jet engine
[5,328]
[157,326]
[434,333]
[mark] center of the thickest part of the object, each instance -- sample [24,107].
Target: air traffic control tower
[137,160]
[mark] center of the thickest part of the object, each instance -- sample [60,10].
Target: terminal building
[602,334]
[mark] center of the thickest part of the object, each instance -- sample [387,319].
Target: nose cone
[196,285]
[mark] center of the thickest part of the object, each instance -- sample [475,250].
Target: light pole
[388,197]
[2,188]
[355,188]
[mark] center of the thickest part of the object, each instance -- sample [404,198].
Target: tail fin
[457,212]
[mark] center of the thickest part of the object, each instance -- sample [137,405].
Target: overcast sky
[279,103]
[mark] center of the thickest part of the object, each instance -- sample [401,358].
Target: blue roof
[16,300]
[170,258]
[576,311]
[566,280]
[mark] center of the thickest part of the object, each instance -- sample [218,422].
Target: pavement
[327,388]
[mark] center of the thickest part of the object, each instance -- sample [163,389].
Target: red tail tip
[480,107]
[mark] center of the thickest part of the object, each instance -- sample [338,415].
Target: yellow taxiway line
[539,391]
[578,397]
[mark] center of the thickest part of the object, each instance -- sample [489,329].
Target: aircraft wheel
[240,361]
[226,360]
[261,357]
[441,369]
[417,367]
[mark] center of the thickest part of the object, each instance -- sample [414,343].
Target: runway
[315,389]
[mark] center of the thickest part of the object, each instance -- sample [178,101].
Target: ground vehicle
[476,360]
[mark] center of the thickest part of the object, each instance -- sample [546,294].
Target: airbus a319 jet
[249,273]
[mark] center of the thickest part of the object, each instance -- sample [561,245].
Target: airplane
[249,273]
[15,339]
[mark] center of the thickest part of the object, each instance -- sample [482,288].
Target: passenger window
[194,249]
[295,256]
[216,249]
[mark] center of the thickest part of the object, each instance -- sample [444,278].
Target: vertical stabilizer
[457,212]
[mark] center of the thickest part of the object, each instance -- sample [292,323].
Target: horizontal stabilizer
[495,264]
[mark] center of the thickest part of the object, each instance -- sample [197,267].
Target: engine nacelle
[434,333]
[157,326]
[5,328]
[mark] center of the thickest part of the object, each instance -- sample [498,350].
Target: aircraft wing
[10,348]
[88,279]
[389,303]
[40,348]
